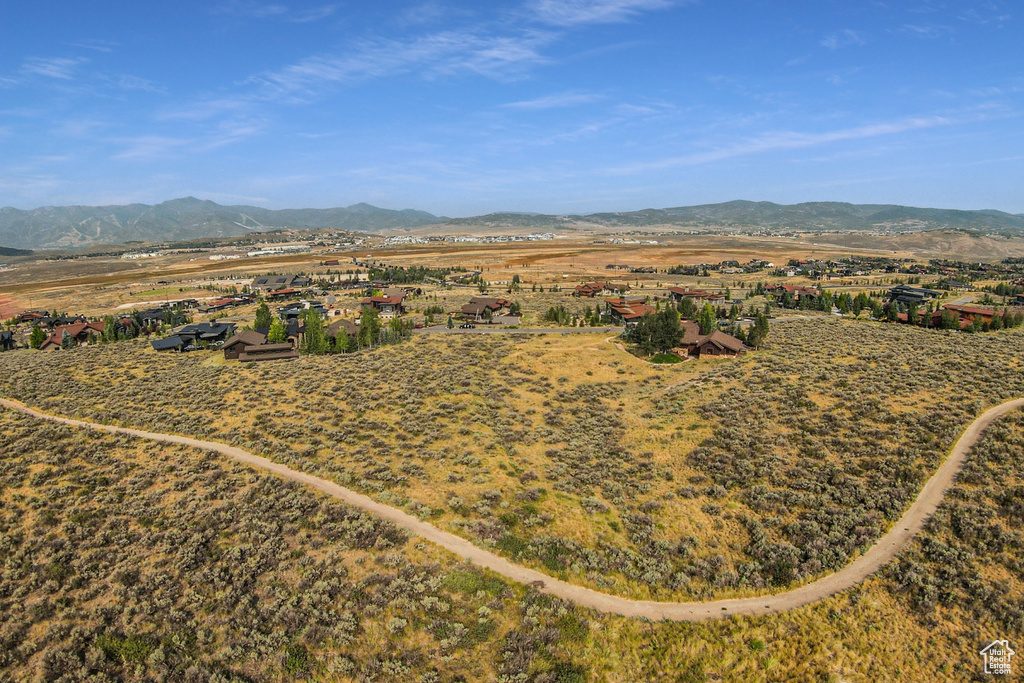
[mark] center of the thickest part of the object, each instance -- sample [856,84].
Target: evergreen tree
[264,318]
[912,317]
[949,320]
[36,337]
[450,324]
[656,332]
[759,331]
[110,328]
[688,308]
[707,320]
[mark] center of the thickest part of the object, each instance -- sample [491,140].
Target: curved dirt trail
[887,547]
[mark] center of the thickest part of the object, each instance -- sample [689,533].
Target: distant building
[905,294]
[269,283]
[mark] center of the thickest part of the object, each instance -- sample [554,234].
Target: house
[219,305]
[623,311]
[286,293]
[332,262]
[32,316]
[969,313]
[80,332]
[269,283]
[482,308]
[64,320]
[241,341]
[717,343]
[956,286]
[6,340]
[386,306]
[905,294]
[205,333]
[350,328]
[593,289]
[172,343]
[679,293]
[924,318]
[263,352]
[796,291]
[152,317]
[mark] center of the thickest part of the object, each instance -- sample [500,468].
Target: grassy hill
[181,219]
[751,216]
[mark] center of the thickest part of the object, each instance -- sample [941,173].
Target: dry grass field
[127,560]
[708,478]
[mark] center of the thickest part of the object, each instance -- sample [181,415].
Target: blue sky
[557,106]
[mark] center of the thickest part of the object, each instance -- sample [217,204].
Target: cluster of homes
[62,329]
[628,312]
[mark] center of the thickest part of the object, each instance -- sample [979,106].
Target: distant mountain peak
[192,218]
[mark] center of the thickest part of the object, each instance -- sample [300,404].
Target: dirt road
[887,547]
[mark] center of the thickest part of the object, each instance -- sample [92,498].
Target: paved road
[887,547]
[481,329]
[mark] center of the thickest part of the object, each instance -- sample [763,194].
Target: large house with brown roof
[680,293]
[386,306]
[482,307]
[968,314]
[80,332]
[251,346]
[237,344]
[349,326]
[623,311]
[592,289]
[717,343]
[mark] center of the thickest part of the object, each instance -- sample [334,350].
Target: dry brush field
[128,560]
[714,478]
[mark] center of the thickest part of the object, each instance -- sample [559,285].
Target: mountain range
[191,218]
[62,227]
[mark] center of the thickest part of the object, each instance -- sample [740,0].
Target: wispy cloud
[566,99]
[52,67]
[129,82]
[782,140]
[97,45]
[149,147]
[263,10]
[447,52]
[314,14]
[845,38]
[573,12]
[927,30]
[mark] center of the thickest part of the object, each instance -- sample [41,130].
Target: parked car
[466,326]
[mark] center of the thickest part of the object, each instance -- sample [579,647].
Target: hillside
[190,218]
[747,216]
[181,219]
